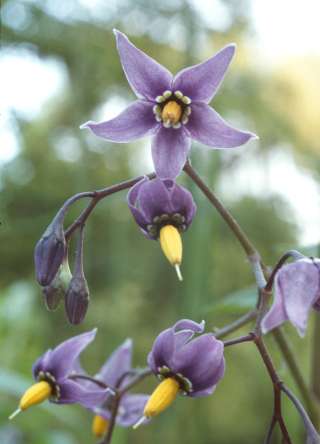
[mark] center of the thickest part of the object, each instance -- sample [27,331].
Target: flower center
[50,379]
[158,222]
[184,383]
[171,112]
[172,109]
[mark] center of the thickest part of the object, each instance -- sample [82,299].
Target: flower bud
[50,251]
[77,299]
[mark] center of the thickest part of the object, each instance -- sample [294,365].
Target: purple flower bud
[77,296]
[50,251]
[297,291]
[156,203]
[77,299]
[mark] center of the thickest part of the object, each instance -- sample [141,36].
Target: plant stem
[240,340]
[235,325]
[89,378]
[96,196]
[289,254]
[226,215]
[296,373]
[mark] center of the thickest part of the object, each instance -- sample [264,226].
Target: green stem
[296,373]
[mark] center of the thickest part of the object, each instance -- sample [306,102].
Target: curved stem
[96,196]
[89,378]
[226,215]
[240,340]
[289,254]
[235,325]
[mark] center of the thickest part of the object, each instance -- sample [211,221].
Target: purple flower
[156,203]
[172,109]
[116,373]
[163,210]
[297,291]
[55,367]
[196,363]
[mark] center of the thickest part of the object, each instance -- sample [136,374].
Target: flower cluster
[190,366]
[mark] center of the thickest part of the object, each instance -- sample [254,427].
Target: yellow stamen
[171,244]
[162,397]
[171,112]
[37,393]
[99,426]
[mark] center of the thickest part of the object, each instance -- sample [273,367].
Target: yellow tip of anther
[178,271]
[37,393]
[171,244]
[139,422]
[99,426]
[162,397]
[14,414]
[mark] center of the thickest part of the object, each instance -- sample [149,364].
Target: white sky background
[284,28]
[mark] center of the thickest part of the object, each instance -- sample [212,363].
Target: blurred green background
[134,291]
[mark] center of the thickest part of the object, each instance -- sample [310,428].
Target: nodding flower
[52,372]
[184,364]
[297,291]
[116,372]
[163,210]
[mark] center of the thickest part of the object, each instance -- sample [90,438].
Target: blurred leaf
[238,301]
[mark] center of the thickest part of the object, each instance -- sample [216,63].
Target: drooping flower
[116,373]
[297,291]
[190,366]
[52,372]
[163,210]
[172,109]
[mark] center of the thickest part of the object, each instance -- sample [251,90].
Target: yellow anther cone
[99,426]
[171,112]
[37,393]
[162,397]
[171,244]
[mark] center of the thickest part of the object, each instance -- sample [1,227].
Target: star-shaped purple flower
[174,109]
[55,367]
[156,203]
[197,364]
[117,372]
[297,291]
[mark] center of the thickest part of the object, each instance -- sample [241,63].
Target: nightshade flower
[172,109]
[52,371]
[163,210]
[183,364]
[116,373]
[297,291]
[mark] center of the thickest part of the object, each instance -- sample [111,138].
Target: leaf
[239,301]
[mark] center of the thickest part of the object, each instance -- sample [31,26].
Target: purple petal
[208,391]
[131,409]
[185,330]
[300,286]
[162,350]
[41,363]
[117,364]
[207,126]
[170,148]
[132,199]
[133,123]
[146,77]
[73,392]
[63,357]
[200,361]
[277,313]
[201,82]
[183,203]
[154,199]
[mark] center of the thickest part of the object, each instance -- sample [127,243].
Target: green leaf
[238,301]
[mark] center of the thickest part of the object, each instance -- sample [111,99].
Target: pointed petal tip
[14,414]
[86,125]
